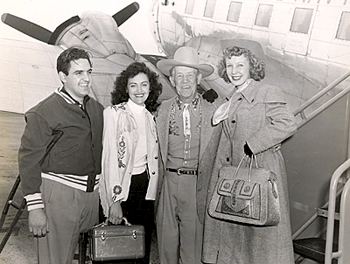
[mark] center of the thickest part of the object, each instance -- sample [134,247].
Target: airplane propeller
[126,13]
[27,27]
[42,34]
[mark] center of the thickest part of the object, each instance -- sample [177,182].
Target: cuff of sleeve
[34,201]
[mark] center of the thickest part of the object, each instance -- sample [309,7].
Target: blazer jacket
[209,140]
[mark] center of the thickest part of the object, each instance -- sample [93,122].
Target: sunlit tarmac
[19,249]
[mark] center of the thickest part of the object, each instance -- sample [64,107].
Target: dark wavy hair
[256,66]
[120,92]
[68,55]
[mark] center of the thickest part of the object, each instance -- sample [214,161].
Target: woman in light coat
[256,120]
[129,178]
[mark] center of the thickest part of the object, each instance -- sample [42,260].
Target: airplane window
[209,9]
[234,11]
[344,26]
[301,20]
[264,15]
[189,7]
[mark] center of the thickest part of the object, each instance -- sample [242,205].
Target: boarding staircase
[335,246]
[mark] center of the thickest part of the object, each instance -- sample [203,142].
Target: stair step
[324,213]
[312,248]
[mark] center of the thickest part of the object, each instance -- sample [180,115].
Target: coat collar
[250,92]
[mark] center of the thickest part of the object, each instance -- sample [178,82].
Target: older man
[188,144]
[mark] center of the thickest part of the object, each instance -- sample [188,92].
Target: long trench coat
[259,116]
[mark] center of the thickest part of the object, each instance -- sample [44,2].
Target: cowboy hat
[254,46]
[184,56]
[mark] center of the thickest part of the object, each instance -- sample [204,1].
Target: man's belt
[183,171]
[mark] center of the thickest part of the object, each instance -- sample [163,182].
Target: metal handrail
[317,96]
[323,107]
[305,120]
[331,214]
[312,218]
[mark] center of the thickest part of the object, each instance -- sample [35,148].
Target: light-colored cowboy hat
[254,46]
[184,56]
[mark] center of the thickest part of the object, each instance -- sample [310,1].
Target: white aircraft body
[307,42]
[28,70]
[307,47]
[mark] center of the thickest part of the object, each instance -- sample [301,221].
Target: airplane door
[298,36]
[153,17]
[170,27]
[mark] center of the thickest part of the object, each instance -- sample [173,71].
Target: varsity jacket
[75,156]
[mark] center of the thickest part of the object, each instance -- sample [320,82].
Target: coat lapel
[206,127]
[250,92]
[163,128]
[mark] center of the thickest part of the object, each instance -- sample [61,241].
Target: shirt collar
[244,85]
[135,108]
[193,106]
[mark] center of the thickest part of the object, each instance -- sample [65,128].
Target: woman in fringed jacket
[129,178]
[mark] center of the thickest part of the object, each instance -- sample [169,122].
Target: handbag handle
[123,220]
[107,223]
[250,165]
[126,221]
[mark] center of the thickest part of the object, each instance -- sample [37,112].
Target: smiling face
[185,80]
[237,69]
[138,88]
[78,81]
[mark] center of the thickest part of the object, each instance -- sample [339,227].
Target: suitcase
[116,242]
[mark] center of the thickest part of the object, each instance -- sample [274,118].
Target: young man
[188,144]
[61,188]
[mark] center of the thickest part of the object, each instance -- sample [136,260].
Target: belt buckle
[179,171]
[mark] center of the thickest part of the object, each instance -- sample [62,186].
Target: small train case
[116,242]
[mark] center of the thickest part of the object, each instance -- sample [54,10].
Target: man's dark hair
[71,54]
[120,92]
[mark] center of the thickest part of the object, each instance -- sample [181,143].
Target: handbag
[246,195]
[116,242]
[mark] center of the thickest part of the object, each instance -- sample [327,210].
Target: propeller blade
[27,27]
[126,13]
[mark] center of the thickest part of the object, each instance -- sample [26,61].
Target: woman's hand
[115,213]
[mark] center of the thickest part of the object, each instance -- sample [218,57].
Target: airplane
[307,43]
[307,47]
[24,63]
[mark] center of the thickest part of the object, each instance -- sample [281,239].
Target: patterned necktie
[186,120]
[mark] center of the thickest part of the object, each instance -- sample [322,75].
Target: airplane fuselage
[310,37]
